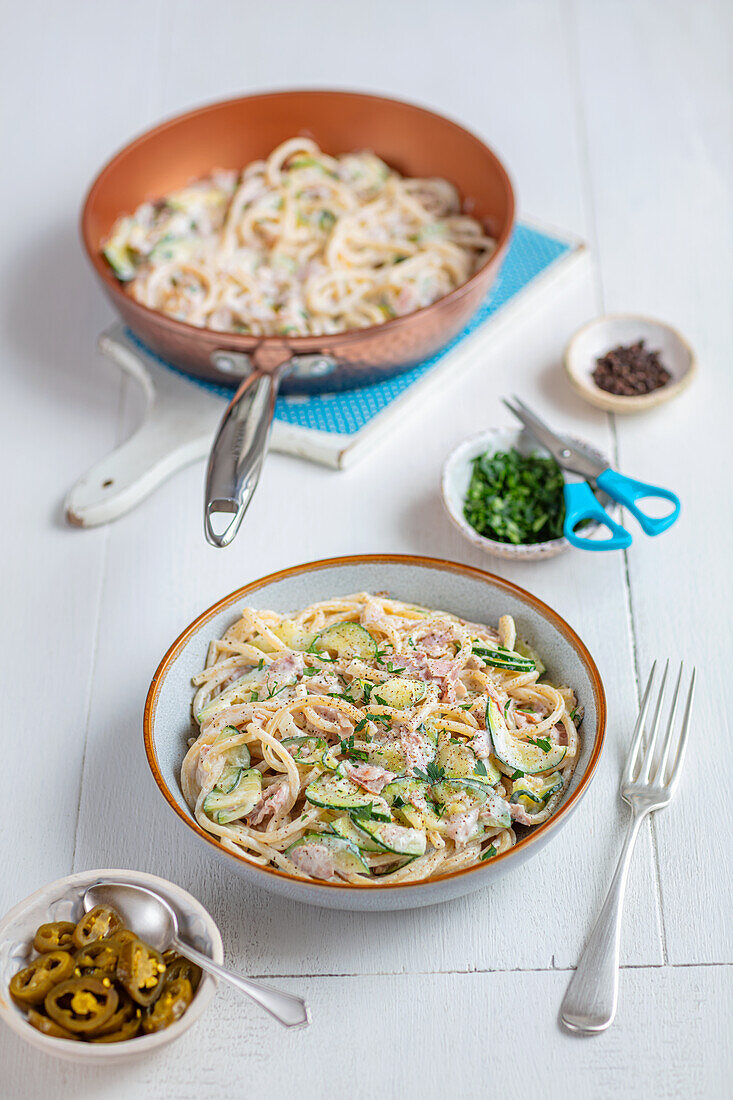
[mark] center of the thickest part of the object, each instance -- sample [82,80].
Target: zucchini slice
[393,838]
[338,792]
[525,650]
[534,792]
[458,796]
[495,812]
[236,760]
[118,253]
[504,658]
[516,754]
[348,640]
[330,760]
[294,636]
[345,827]
[346,857]
[399,693]
[410,800]
[458,761]
[387,754]
[305,750]
[238,802]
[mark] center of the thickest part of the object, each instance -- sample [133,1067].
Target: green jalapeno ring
[98,955]
[99,923]
[179,967]
[54,936]
[48,1026]
[141,970]
[81,1004]
[170,1006]
[31,984]
[127,1030]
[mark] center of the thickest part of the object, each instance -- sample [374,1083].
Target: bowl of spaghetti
[375,732]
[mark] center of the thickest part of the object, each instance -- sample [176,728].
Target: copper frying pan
[231,134]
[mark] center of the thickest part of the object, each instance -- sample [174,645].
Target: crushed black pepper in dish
[630,369]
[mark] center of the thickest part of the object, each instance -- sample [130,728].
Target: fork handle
[589,1005]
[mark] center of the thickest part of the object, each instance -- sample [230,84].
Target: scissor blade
[566,456]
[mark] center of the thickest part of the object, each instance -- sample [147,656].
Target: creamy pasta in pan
[299,244]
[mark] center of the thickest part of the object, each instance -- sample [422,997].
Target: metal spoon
[155,922]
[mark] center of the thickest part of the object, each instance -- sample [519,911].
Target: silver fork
[589,1005]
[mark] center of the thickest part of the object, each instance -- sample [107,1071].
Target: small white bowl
[456,477]
[61,900]
[598,337]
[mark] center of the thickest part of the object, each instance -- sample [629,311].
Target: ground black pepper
[630,369]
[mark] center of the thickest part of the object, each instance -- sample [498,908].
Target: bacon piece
[273,800]
[369,776]
[313,859]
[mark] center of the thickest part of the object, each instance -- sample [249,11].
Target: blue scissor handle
[627,491]
[580,504]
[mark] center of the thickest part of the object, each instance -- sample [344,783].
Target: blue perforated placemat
[531,252]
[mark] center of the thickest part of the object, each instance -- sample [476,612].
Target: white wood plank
[60,409]
[661,145]
[428,1036]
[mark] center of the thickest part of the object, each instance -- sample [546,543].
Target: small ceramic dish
[598,337]
[61,900]
[468,593]
[457,476]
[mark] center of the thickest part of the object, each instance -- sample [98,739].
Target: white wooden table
[616,119]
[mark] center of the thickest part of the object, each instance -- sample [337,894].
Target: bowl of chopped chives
[504,493]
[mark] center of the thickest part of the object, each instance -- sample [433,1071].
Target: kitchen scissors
[580,501]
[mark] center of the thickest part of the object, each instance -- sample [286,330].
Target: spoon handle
[287,1009]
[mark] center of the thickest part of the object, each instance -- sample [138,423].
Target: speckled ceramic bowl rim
[523,551]
[616,402]
[143,1044]
[457,568]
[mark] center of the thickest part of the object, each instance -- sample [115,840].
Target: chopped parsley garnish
[465,706]
[275,690]
[311,671]
[541,743]
[347,748]
[506,708]
[261,664]
[383,718]
[490,851]
[480,768]
[254,696]
[573,712]
[515,498]
[433,773]
[517,775]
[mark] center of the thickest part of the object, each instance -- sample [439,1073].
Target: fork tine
[651,744]
[631,759]
[674,777]
[669,735]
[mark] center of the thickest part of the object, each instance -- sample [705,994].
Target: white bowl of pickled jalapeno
[84,987]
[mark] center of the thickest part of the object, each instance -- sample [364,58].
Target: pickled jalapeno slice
[99,922]
[99,955]
[54,936]
[31,984]
[140,970]
[48,1026]
[170,1005]
[82,1004]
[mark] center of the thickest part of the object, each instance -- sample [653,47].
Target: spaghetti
[299,244]
[374,741]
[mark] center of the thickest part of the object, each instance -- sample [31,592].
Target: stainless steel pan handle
[240,446]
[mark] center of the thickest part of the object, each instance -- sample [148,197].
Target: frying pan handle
[238,452]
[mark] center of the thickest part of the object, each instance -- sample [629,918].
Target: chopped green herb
[480,768]
[490,851]
[261,664]
[541,743]
[515,498]
[517,775]
[433,773]
[254,696]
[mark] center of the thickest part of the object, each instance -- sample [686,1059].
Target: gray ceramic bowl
[61,900]
[469,593]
